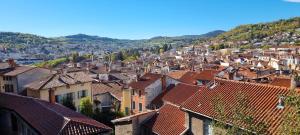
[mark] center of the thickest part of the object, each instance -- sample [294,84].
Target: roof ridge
[251,83]
[50,78]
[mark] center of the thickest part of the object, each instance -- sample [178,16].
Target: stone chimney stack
[51,96]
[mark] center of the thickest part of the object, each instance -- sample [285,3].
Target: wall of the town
[170,81]
[200,125]
[44,94]
[124,129]
[104,98]
[126,100]
[137,100]
[152,91]
[33,93]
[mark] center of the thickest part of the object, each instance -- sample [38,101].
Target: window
[207,127]
[7,78]
[140,107]
[126,110]
[140,93]
[58,98]
[81,94]
[70,96]
[132,92]
[9,88]
[133,105]
[280,104]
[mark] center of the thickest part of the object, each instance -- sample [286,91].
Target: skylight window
[280,104]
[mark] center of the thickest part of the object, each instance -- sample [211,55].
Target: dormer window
[280,104]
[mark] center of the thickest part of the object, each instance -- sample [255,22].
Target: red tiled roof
[145,81]
[180,93]
[51,119]
[114,88]
[263,100]
[283,82]
[177,74]
[169,120]
[190,77]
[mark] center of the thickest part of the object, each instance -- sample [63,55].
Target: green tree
[74,56]
[86,106]
[239,115]
[291,115]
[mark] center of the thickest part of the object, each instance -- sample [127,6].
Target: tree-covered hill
[13,39]
[261,30]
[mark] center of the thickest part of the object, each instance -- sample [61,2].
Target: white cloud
[296,1]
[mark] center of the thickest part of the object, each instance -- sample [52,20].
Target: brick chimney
[11,63]
[51,96]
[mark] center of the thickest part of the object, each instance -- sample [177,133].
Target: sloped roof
[58,80]
[145,81]
[169,120]
[177,74]
[191,76]
[51,119]
[263,100]
[114,88]
[180,93]
[283,82]
[18,70]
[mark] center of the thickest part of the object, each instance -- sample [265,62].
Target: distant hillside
[13,39]
[261,30]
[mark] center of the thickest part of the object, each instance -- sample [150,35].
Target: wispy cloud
[295,1]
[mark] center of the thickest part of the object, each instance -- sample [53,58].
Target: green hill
[13,39]
[261,30]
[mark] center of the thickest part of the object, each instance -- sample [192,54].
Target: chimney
[51,96]
[164,82]
[231,75]
[293,83]
[75,65]
[11,63]
[138,77]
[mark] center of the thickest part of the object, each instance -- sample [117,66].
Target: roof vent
[280,104]
[212,84]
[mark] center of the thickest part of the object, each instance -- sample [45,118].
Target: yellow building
[72,86]
[126,101]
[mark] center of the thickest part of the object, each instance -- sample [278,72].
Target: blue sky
[137,19]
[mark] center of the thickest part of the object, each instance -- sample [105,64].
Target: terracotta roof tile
[169,120]
[283,82]
[114,88]
[190,77]
[177,74]
[263,101]
[145,81]
[180,93]
[51,119]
